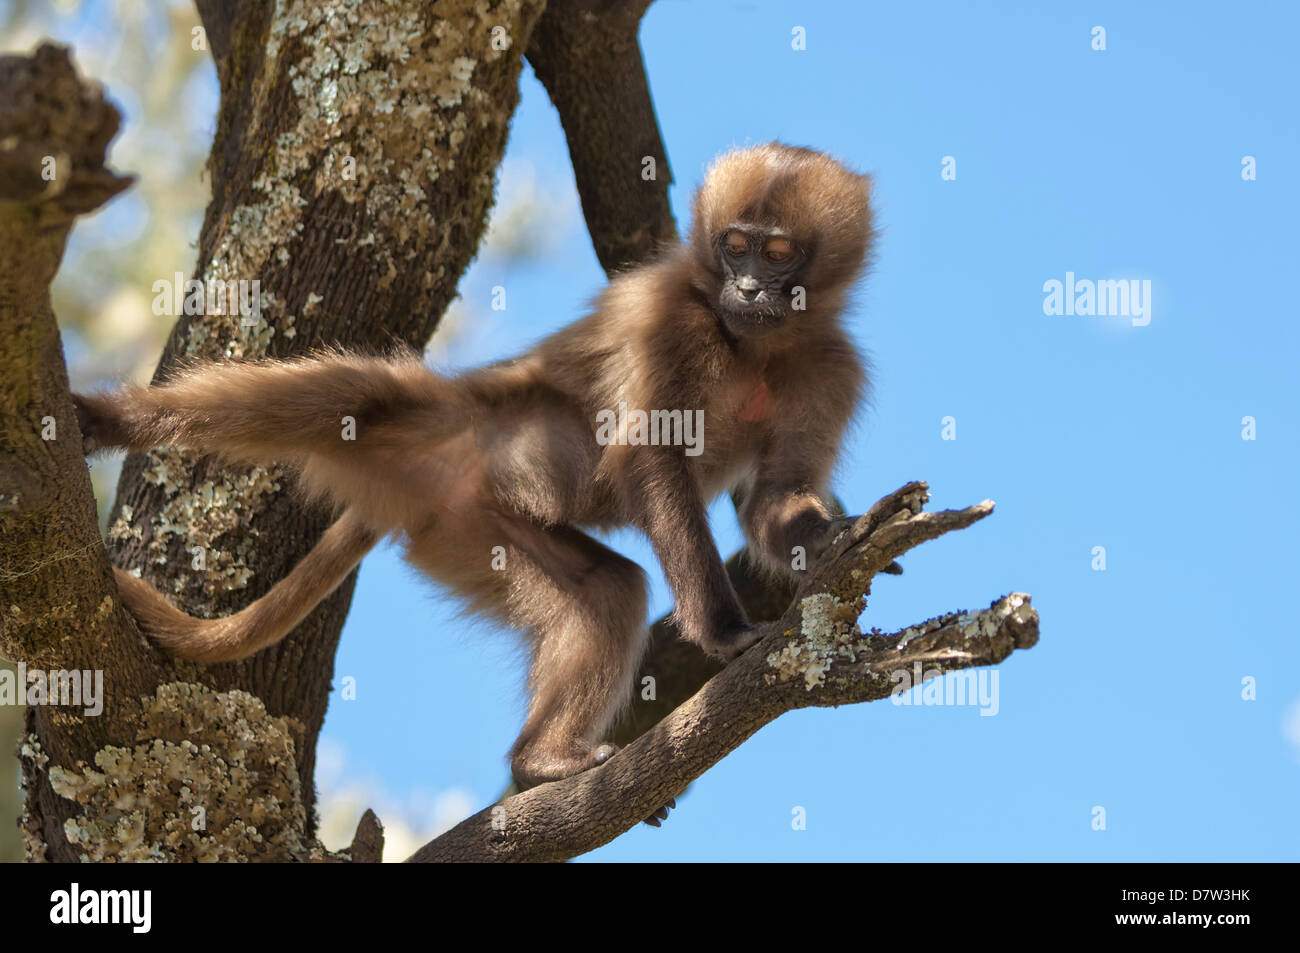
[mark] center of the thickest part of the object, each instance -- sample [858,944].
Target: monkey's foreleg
[671,512]
[267,620]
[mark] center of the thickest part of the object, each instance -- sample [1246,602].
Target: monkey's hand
[101,422]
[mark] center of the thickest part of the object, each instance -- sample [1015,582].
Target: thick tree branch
[218,18]
[815,655]
[585,53]
[59,608]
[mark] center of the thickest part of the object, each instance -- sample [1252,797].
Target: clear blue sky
[1087,432]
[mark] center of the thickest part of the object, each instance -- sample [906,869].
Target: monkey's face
[759,267]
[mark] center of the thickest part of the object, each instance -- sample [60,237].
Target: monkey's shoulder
[637,322]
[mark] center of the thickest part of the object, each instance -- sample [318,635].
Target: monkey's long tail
[272,410]
[267,620]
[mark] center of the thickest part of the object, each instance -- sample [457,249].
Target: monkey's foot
[100,428]
[532,768]
[658,817]
[733,642]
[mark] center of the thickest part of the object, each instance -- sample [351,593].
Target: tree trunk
[352,175]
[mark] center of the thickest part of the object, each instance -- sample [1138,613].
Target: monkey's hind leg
[583,606]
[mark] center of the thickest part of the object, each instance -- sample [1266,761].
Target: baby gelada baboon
[733,335]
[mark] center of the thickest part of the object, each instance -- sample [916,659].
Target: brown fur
[506,456]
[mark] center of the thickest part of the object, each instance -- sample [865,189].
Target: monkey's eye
[736,243]
[778,249]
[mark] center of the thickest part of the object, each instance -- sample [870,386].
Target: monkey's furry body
[741,323]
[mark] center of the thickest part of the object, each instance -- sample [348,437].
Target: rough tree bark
[58,605]
[586,54]
[388,124]
[352,174]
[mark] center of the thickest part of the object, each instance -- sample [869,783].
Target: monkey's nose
[747,283]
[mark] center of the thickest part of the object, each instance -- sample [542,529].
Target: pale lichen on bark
[200,515]
[32,761]
[362,94]
[984,623]
[829,630]
[222,766]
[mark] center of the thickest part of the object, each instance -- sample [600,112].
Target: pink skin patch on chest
[757,404]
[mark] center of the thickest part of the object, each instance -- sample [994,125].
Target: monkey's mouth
[752,315]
